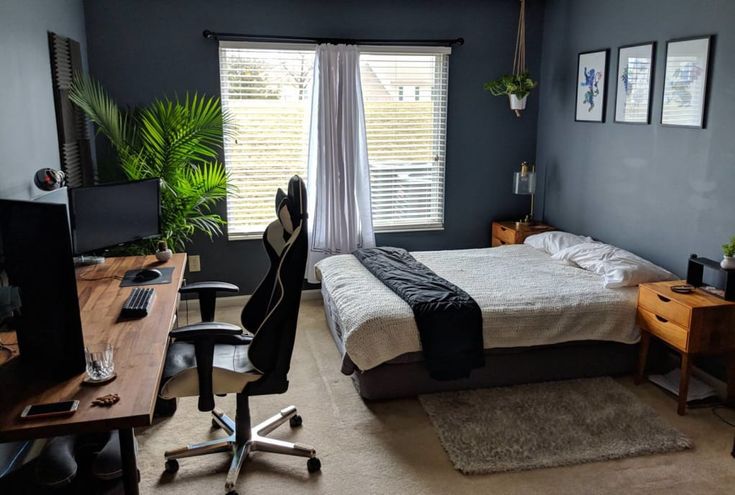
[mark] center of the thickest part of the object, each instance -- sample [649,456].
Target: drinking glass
[100,365]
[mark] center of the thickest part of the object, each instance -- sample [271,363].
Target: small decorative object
[728,255]
[685,83]
[48,179]
[635,75]
[108,400]
[524,182]
[591,86]
[518,84]
[163,253]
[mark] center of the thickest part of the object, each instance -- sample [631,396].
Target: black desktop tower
[39,284]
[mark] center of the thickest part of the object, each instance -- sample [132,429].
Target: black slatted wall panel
[74,146]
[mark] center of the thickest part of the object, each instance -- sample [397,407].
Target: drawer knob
[663,299]
[502,242]
[661,319]
[503,229]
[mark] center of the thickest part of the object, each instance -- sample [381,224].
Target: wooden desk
[140,351]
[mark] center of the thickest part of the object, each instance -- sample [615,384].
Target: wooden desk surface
[139,346]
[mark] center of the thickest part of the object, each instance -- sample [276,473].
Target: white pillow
[555,241]
[618,267]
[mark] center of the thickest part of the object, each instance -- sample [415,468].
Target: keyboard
[138,303]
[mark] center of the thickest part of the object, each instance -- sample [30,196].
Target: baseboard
[239,301]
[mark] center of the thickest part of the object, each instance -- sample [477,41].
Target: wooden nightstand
[513,233]
[692,324]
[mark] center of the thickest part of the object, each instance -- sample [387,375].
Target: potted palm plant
[175,140]
[728,252]
[516,86]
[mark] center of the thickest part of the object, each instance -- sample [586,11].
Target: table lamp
[524,182]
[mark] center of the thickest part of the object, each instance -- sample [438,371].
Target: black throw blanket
[448,319]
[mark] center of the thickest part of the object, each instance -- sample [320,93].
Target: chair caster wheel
[314,464]
[296,421]
[215,424]
[172,465]
[232,492]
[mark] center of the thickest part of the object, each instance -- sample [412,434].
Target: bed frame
[406,375]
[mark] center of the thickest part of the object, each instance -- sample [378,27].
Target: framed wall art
[685,82]
[591,87]
[634,83]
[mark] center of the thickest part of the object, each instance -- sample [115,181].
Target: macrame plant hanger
[519,59]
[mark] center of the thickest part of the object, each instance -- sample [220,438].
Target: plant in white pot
[516,86]
[728,258]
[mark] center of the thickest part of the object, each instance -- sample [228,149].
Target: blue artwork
[681,87]
[591,84]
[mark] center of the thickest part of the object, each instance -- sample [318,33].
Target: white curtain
[338,175]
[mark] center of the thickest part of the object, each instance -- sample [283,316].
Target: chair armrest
[197,287]
[207,292]
[205,329]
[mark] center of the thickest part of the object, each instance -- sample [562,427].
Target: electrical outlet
[195,263]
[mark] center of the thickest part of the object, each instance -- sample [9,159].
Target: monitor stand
[88,260]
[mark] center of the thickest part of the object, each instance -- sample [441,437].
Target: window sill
[381,230]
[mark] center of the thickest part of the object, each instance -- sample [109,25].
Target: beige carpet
[541,425]
[391,447]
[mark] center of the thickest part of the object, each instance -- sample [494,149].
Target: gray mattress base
[406,376]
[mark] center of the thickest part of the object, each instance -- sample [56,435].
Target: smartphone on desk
[64,408]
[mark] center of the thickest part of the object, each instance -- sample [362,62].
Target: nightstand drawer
[504,234]
[664,306]
[497,242]
[664,329]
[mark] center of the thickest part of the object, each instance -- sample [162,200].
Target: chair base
[240,445]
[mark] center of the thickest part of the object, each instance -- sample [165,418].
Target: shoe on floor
[107,465]
[56,465]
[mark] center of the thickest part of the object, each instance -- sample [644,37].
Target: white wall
[28,139]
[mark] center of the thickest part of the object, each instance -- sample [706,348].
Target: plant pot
[728,262]
[517,103]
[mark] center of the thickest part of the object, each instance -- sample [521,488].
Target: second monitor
[107,215]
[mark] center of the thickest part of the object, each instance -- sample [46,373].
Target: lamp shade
[524,183]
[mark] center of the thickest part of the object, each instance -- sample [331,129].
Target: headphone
[48,179]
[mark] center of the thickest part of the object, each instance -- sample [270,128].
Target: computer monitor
[38,289]
[111,214]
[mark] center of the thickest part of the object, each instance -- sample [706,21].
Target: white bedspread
[527,299]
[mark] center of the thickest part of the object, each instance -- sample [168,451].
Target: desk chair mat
[165,278]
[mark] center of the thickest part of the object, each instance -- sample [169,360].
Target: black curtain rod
[211,35]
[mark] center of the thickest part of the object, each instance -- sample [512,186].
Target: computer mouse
[147,274]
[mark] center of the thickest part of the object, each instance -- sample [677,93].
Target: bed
[542,319]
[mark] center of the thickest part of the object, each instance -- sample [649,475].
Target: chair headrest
[291,207]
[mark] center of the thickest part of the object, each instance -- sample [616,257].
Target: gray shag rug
[547,424]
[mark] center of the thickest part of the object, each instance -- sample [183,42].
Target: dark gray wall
[28,139]
[661,192]
[143,49]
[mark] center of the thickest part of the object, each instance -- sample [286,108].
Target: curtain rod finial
[460,41]
[208,34]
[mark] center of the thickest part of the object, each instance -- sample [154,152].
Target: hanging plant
[518,84]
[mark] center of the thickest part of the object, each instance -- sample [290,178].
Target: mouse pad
[129,278]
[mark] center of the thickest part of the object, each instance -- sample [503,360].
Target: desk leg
[686,368]
[642,357]
[129,463]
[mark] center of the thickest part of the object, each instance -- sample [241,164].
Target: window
[266,90]
[406,137]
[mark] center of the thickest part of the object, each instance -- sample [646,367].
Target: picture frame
[686,81]
[591,83]
[634,83]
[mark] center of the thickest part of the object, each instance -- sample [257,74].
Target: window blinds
[266,93]
[405,94]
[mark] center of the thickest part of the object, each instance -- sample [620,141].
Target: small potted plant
[728,251]
[516,86]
